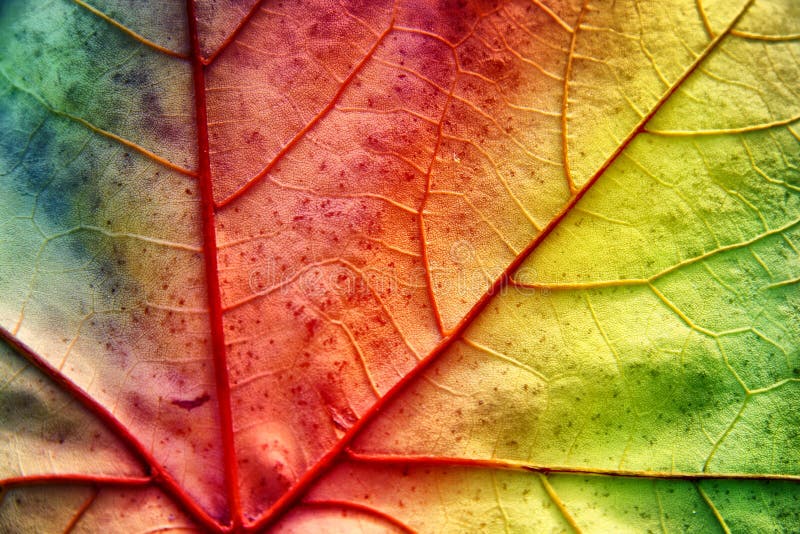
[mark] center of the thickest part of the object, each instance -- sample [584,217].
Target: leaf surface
[410,266]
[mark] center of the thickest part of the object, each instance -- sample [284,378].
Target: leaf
[414,266]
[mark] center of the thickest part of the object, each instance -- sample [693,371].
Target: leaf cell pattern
[400,266]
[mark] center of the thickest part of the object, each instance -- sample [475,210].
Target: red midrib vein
[219,352]
[327,461]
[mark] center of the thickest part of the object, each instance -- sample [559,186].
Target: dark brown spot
[192,403]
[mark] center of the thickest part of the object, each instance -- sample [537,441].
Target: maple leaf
[450,266]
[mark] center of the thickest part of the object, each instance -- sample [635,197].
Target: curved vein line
[517,54]
[565,99]
[423,239]
[81,511]
[432,35]
[471,105]
[532,35]
[130,32]
[783,283]
[278,285]
[355,196]
[554,16]
[158,474]
[661,517]
[764,37]
[311,124]
[515,465]
[330,261]
[326,462]
[356,346]
[704,17]
[723,131]
[502,179]
[508,359]
[551,492]
[124,235]
[728,430]
[232,36]
[685,263]
[83,122]
[483,218]
[714,509]
[368,510]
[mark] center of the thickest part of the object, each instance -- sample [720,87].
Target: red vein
[81,511]
[232,36]
[157,472]
[221,373]
[565,99]
[312,123]
[369,510]
[420,215]
[73,478]
[326,462]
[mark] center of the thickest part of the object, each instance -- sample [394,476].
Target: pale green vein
[713,509]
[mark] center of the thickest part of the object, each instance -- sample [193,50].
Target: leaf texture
[410,266]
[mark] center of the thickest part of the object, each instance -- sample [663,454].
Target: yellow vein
[677,311]
[704,17]
[362,358]
[783,283]
[501,356]
[723,131]
[713,509]
[565,101]
[551,492]
[725,434]
[321,194]
[623,145]
[685,263]
[553,16]
[762,37]
[605,336]
[515,465]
